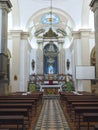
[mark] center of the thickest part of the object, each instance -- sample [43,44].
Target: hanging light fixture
[51,51]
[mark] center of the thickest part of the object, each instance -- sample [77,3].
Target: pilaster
[20,60]
[82,55]
[5,6]
[94,8]
[61,57]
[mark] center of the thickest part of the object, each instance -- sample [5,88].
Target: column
[85,56]
[94,8]
[5,6]
[81,56]
[61,58]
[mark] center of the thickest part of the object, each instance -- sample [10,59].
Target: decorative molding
[63,32]
[92,2]
[83,33]
[50,34]
[94,5]
[5,4]
[18,33]
[38,32]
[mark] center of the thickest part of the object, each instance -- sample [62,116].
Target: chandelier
[51,51]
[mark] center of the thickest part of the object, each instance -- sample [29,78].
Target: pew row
[76,105]
[27,106]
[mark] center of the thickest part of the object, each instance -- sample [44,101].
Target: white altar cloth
[58,86]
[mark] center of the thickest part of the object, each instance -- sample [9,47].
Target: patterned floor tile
[52,117]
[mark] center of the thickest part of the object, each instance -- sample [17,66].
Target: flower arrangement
[32,87]
[69,86]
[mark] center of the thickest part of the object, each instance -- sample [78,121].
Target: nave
[35,111]
[52,117]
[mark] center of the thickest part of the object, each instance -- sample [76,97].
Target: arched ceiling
[23,10]
[28,15]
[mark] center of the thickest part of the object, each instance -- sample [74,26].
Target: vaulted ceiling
[33,15]
[25,11]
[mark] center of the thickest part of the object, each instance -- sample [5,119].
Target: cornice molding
[18,33]
[5,4]
[83,33]
[94,5]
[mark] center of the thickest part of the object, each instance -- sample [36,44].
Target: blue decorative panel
[50,18]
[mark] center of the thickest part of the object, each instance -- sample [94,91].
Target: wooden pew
[81,104]
[79,99]
[16,111]
[21,102]
[72,101]
[22,97]
[96,127]
[12,120]
[90,117]
[80,110]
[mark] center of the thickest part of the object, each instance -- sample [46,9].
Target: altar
[48,83]
[50,89]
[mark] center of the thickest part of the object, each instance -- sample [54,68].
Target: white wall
[20,60]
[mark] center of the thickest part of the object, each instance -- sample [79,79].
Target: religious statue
[68,64]
[33,64]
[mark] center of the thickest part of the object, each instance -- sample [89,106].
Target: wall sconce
[68,64]
[33,64]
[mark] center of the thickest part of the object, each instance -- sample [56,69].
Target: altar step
[51,96]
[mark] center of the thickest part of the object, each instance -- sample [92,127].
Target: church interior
[48,65]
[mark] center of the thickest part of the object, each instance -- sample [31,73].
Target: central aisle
[52,117]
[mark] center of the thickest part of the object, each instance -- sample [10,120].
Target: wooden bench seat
[21,105]
[76,105]
[12,120]
[81,104]
[80,110]
[18,111]
[96,127]
[90,117]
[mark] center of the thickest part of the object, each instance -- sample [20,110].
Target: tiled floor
[52,117]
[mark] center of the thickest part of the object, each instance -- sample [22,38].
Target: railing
[42,78]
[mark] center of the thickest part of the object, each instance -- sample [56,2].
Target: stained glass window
[50,18]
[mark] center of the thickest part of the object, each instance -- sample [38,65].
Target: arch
[39,13]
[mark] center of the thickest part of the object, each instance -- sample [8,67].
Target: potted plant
[69,86]
[32,87]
